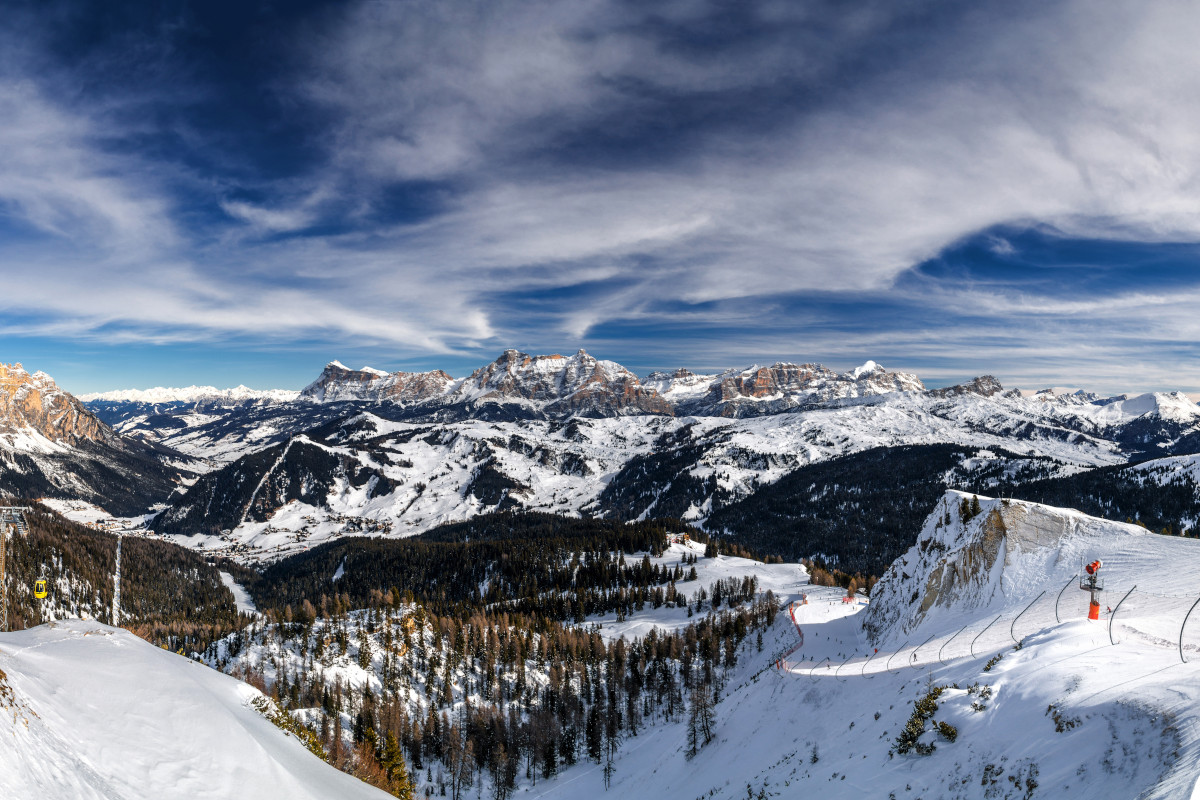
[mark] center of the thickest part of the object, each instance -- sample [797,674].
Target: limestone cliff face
[984,386]
[778,388]
[998,557]
[36,402]
[778,379]
[572,384]
[338,383]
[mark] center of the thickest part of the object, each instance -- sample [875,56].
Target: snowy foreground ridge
[88,711]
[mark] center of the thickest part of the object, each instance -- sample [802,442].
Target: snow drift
[91,711]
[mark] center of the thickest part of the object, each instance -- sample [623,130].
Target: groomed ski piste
[88,711]
[1032,706]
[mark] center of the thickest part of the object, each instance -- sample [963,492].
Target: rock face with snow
[337,383]
[775,389]
[984,386]
[35,403]
[564,385]
[51,445]
[557,385]
[1005,555]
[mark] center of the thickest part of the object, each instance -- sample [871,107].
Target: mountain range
[260,474]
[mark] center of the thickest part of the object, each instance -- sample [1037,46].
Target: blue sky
[229,193]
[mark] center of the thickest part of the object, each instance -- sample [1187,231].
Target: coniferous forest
[470,659]
[170,595]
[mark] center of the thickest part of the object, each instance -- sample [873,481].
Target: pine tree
[400,784]
[701,718]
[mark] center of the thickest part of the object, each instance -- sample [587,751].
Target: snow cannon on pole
[1093,583]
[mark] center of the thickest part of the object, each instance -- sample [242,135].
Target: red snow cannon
[1093,584]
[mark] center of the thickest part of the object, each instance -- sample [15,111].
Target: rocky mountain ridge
[52,445]
[401,452]
[34,404]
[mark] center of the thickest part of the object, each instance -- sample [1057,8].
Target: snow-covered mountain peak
[868,367]
[338,383]
[1174,406]
[192,394]
[33,409]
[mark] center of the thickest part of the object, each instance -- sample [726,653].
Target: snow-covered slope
[90,711]
[1010,552]
[385,477]
[1065,715]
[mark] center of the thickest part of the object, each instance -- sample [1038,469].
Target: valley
[555,578]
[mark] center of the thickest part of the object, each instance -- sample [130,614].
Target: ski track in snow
[245,604]
[1131,710]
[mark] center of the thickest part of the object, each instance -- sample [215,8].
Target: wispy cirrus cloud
[667,180]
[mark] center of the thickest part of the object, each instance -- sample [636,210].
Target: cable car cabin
[39,588]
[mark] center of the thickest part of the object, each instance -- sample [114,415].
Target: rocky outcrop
[578,384]
[338,383]
[984,386]
[781,387]
[979,554]
[34,402]
[776,380]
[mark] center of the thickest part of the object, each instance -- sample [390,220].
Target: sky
[236,193]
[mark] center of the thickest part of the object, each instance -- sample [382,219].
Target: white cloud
[54,178]
[889,140]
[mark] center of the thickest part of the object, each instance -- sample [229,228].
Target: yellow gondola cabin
[39,588]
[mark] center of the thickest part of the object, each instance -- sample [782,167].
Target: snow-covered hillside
[426,475]
[1065,714]
[90,711]
[1004,686]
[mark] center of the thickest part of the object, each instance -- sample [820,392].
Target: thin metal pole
[1113,615]
[888,666]
[116,608]
[863,672]
[1060,594]
[3,582]
[1181,627]
[810,672]
[1012,635]
[913,656]
[976,639]
[839,667]
[948,641]
[10,517]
